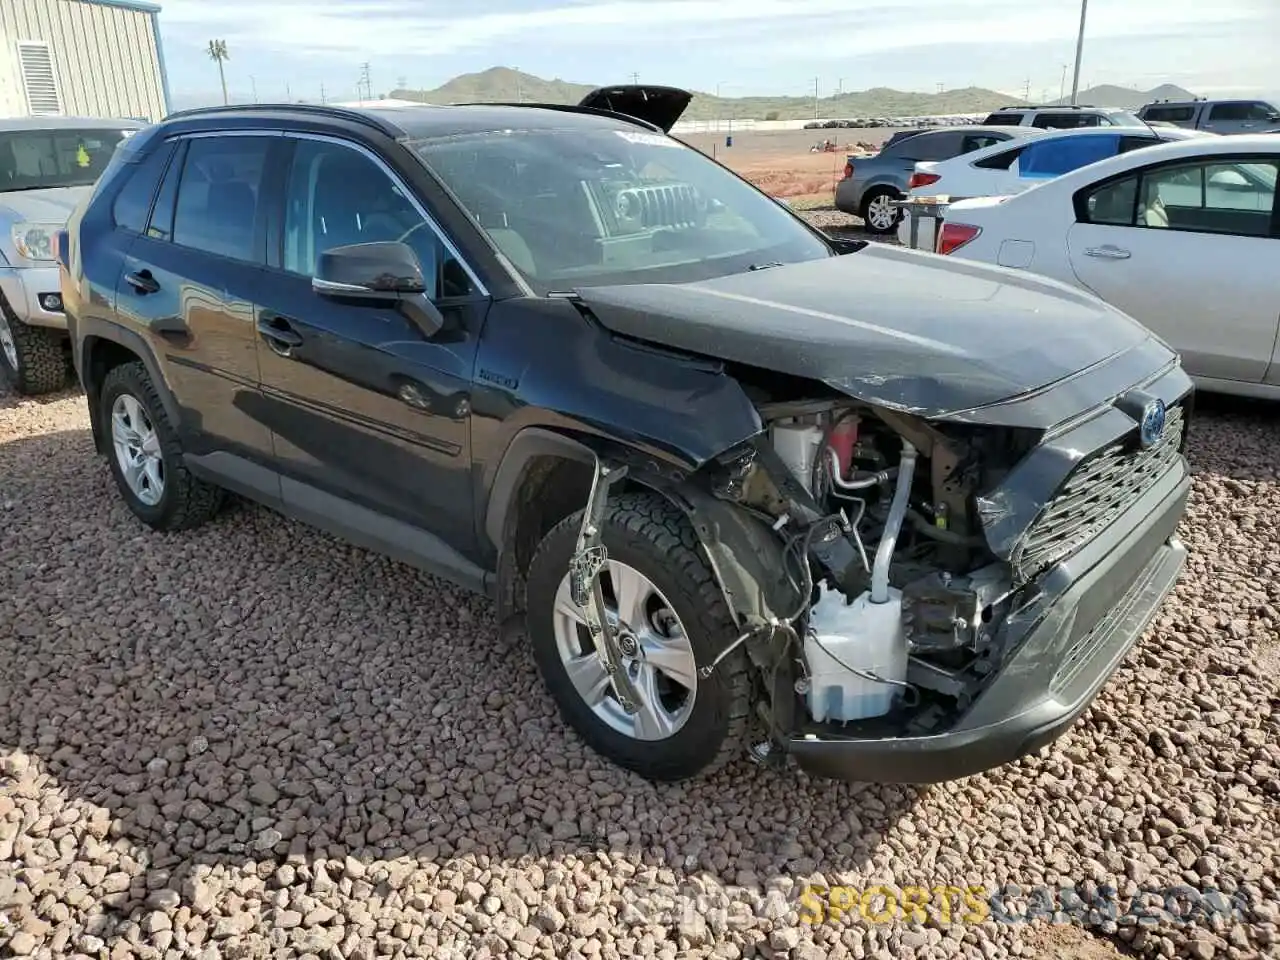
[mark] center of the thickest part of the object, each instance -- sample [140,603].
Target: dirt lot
[255,741]
[779,161]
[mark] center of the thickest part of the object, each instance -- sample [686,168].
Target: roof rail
[1049,106]
[565,108]
[314,109]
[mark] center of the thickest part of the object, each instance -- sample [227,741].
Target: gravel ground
[255,741]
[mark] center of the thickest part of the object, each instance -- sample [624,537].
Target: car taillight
[922,180]
[848,169]
[953,236]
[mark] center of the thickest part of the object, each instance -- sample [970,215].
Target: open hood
[661,106]
[921,334]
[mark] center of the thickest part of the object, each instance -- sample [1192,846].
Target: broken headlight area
[898,601]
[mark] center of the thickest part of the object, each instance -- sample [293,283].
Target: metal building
[92,58]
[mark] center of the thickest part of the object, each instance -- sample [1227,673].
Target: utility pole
[365,83]
[1026,91]
[288,94]
[402,83]
[840,87]
[815,98]
[635,77]
[1062,87]
[940,86]
[323,98]
[1075,82]
[254,84]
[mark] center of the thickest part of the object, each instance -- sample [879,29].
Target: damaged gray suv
[741,487]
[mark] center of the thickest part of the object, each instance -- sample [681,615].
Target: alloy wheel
[881,212]
[137,449]
[655,652]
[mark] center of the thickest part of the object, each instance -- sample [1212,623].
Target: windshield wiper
[765,266]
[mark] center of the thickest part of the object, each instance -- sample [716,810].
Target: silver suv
[1062,117]
[1215,116]
[47,166]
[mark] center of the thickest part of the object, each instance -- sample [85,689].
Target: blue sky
[745,46]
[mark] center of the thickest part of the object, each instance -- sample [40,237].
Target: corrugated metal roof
[141,5]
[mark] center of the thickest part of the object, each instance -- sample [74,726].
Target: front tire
[32,358]
[673,619]
[878,214]
[146,459]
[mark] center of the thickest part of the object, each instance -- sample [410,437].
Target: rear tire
[33,359]
[878,216]
[647,536]
[145,457]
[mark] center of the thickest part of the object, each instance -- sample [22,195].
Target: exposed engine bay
[906,627]
[885,617]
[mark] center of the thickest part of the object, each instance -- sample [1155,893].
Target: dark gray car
[871,185]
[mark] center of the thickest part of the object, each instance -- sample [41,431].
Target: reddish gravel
[255,741]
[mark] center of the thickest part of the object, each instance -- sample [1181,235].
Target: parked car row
[1184,237]
[743,486]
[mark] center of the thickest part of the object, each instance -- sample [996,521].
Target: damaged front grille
[1099,490]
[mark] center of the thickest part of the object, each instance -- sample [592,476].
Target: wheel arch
[101,348]
[545,476]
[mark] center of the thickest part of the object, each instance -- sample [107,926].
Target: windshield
[590,206]
[39,159]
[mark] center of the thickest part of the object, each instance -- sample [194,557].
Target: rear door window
[217,204]
[1065,121]
[1055,157]
[1240,111]
[1220,196]
[932,146]
[1137,143]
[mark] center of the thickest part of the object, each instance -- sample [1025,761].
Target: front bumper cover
[1088,613]
[23,287]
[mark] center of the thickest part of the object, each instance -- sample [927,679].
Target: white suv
[1063,117]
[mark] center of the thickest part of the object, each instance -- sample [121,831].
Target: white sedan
[1005,169]
[1183,237]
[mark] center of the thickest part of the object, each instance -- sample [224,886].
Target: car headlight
[35,240]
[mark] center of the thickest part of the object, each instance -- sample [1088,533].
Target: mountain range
[506,84]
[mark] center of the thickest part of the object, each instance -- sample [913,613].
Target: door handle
[280,337]
[142,281]
[1108,253]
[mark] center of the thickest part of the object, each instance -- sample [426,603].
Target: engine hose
[923,525]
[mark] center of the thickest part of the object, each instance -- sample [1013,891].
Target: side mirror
[380,272]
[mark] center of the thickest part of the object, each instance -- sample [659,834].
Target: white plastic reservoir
[864,636]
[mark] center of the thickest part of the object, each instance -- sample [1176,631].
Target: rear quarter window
[1170,114]
[1003,120]
[999,161]
[132,206]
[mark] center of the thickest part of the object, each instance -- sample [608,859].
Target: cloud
[586,39]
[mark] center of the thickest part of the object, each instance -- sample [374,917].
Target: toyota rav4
[743,488]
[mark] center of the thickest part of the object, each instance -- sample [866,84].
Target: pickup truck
[1215,116]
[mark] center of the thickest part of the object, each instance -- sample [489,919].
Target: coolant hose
[892,526]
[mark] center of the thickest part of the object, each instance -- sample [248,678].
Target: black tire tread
[41,356]
[194,501]
[654,520]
